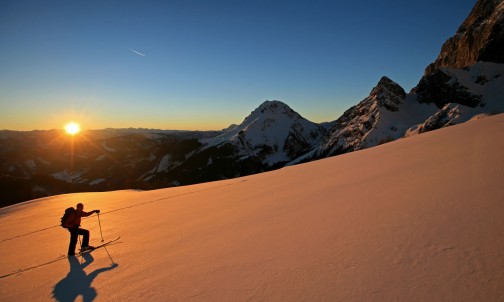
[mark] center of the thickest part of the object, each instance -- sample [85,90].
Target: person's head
[80,207]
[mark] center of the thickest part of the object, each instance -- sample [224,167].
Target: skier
[72,224]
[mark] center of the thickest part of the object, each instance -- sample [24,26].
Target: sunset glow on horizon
[204,65]
[72,128]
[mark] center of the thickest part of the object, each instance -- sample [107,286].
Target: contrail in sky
[138,53]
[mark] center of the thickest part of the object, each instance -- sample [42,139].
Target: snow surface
[31,164]
[165,163]
[101,157]
[489,87]
[106,147]
[392,125]
[97,181]
[68,176]
[418,219]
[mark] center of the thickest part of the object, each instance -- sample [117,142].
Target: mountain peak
[388,93]
[384,80]
[273,103]
[387,83]
[479,38]
[273,108]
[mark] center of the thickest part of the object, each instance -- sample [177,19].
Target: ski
[59,258]
[98,246]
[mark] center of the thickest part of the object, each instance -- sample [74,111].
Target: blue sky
[207,64]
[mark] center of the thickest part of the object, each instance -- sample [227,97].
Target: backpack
[65,216]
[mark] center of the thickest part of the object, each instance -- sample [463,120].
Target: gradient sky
[206,64]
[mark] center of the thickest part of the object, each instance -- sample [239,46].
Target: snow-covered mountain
[42,163]
[461,94]
[383,116]
[446,97]
[273,132]
[457,87]
[465,82]
[467,77]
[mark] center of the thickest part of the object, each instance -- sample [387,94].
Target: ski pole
[99,223]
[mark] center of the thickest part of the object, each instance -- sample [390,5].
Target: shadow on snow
[77,282]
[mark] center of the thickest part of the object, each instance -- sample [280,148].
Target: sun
[72,128]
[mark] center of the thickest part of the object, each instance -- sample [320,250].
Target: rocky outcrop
[388,94]
[479,38]
[460,95]
[442,88]
[352,129]
[447,116]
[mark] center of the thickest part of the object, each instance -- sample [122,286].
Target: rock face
[387,94]
[479,38]
[354,129]
[447,116]
[462,94]
[441,88]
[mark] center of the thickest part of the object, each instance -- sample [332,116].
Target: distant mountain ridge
[466,81]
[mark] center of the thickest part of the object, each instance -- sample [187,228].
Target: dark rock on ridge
[441,88]
[479,38]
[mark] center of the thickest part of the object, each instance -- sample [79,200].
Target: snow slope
[418,219]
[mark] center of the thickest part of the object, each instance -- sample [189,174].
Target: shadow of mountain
[77,282]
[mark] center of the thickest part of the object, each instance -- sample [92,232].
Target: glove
[97,211]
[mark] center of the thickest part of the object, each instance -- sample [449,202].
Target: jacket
[74,219]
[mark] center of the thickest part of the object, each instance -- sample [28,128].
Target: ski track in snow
[417,219]
[59,258]
[119,209]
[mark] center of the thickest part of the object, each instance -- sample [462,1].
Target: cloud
[138,53]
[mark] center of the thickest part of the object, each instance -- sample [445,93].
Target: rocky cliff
[479,38]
